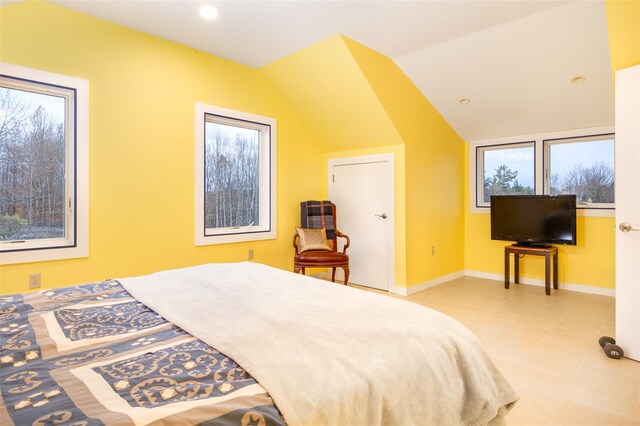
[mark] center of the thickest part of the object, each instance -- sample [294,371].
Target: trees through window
[235,191]
[43,165]
[505,170]
[232,175]
[34,143]
[583,166]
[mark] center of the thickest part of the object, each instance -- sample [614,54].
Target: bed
[238,344]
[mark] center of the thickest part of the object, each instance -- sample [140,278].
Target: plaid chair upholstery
[316,215]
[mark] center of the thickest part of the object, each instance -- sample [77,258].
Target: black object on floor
[608,345]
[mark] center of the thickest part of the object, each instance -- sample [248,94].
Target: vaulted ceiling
[513,60]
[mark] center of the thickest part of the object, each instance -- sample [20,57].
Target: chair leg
[304,271]
[346,274]
[333,275]
[296,269]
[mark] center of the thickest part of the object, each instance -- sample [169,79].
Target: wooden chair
[324,258]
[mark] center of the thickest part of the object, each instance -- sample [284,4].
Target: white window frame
[479,201]
[75,244]
[540,172]
[267,228]
[547,143]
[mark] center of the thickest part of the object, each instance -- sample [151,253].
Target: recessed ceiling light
[464,101]
[208,12]
[578,79]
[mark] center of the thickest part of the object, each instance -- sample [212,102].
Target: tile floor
[547,347]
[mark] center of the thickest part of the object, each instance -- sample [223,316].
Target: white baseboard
[540,283]
[405,291]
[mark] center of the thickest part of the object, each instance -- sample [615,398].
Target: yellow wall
[434,170]
[623,22]
[328,92]
[142,95]
[589,263]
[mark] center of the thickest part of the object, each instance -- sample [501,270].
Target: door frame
[375,158]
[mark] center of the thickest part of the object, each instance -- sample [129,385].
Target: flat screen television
[534,220]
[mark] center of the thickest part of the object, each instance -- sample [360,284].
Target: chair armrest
[340,234]
[295,243]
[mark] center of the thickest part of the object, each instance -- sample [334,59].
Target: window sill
[207,240]
[43,255]
[579,211]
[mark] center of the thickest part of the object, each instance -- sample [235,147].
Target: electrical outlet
[250,254]
[34,281]
[433,250]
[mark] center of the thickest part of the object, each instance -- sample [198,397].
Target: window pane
[508,171]
[32,165]
[584,168]
[232,176]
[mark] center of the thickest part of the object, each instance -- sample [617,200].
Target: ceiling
[513,59]
[518,75]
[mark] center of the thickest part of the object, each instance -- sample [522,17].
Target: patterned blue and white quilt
[92,354]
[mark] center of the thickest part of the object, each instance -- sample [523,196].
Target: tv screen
[534,219]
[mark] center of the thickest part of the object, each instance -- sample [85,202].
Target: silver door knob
[626,227]
[383,215]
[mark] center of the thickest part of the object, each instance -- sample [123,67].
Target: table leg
[506,268]
[547,264]
[555,270]
[516,268]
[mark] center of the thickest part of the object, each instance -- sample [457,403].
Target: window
[505,169]
[581,166]
[43,158]
[577,162]
[235,179]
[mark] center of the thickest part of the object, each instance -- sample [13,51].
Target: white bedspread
[329,354]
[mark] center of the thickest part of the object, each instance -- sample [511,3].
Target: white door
[362,190]
[627,197]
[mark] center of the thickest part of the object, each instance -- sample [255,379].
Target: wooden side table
[547,252]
